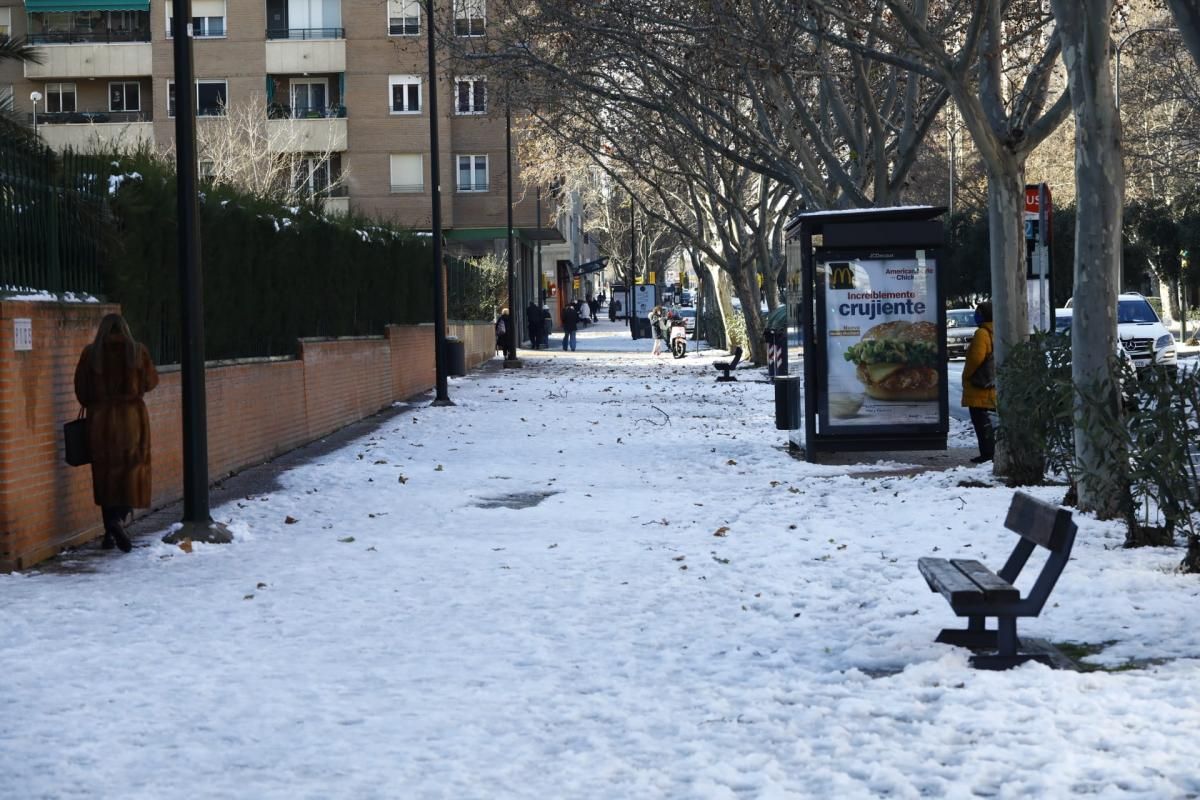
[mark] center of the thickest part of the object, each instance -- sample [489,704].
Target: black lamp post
[510,355]
[439,267]
[197,519]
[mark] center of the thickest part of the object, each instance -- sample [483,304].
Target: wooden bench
[975,592]
[728,366]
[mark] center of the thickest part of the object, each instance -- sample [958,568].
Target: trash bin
[456,356]
[787,403]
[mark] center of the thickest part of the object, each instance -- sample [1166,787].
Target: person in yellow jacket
[979,383]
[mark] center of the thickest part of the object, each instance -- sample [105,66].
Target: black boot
[107,542]
[115,529]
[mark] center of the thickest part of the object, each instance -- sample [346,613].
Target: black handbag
[75,439]
[984,376]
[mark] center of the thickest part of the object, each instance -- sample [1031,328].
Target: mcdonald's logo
[841,275]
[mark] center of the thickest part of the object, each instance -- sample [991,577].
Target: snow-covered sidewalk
[600,576]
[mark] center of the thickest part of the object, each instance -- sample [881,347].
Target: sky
[599,576]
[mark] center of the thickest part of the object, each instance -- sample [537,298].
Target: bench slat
[1038,522]
[995,589]
[944,577]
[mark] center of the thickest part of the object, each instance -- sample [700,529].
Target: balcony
[96,131]
[335,202]
[299,130]
[92,61]
[300,55]
[305,34]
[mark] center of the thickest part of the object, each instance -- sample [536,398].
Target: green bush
[1034,407]
[271,274]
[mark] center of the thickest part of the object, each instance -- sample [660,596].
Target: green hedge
[271,275]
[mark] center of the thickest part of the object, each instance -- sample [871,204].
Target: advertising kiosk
[873,318]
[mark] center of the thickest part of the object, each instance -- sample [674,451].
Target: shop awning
[590,266]
[40,6]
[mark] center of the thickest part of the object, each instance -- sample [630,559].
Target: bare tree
[268,158]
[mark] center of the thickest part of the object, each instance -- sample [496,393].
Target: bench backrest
[1040,523]
[737,356]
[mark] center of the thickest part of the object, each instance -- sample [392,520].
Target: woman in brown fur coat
[113,373]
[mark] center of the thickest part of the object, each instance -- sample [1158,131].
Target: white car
[960,330]
[1142,334]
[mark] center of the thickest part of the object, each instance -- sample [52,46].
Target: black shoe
[107,542]
[120,537]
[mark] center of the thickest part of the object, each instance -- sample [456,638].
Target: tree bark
[1100,181]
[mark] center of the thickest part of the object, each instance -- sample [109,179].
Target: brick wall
[257,409]
[479,340]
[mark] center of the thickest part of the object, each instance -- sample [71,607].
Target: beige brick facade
[373,132]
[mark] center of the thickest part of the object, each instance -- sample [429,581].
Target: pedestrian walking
[112,375]
[594,306]
[533,320]
[656,317]
[979,383]
[503,328]
[570,324]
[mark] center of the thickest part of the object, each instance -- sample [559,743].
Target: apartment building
[343,78]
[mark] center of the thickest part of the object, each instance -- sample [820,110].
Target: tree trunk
[1100,180]
[1006,205]
[745,282]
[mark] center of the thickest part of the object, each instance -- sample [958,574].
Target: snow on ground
[600,576]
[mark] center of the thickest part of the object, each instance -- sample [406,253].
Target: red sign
[1031,200]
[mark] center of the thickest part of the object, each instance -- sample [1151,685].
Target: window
[125,96]
[5,21]
[472,173]
[211,98]
[404,17]
[405,94]
[470,95]
[208,18]
[309,97]
[469,17]
[6,97]
[311,175]
[408,173]
[60,98]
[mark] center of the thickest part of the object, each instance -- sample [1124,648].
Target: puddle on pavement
[514,500]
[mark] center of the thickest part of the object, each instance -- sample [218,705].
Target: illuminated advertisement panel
[880,323]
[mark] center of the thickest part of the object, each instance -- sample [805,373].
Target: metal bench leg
[1006,639]
[975,635]
[1006,646]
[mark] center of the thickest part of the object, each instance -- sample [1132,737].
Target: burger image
[898,361]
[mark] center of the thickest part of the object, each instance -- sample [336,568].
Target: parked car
[1141,332]
[689,318]
[960,329]
[685,299]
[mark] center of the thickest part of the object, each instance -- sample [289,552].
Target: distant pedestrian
[503,326]
[657,317]
[979,383]
[594,306]
[547,326]
[570,324]
[113,373]
[533,320]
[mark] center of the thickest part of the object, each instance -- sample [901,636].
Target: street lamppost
[510,356]
[35,97]
[197,521]
[1117,103]
[442,397]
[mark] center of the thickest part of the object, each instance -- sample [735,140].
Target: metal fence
[52,212]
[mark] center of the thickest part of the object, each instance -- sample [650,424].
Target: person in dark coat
[570,324]
[112,375]
[594,306]
[504,330]
[980,400]
[533,320]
